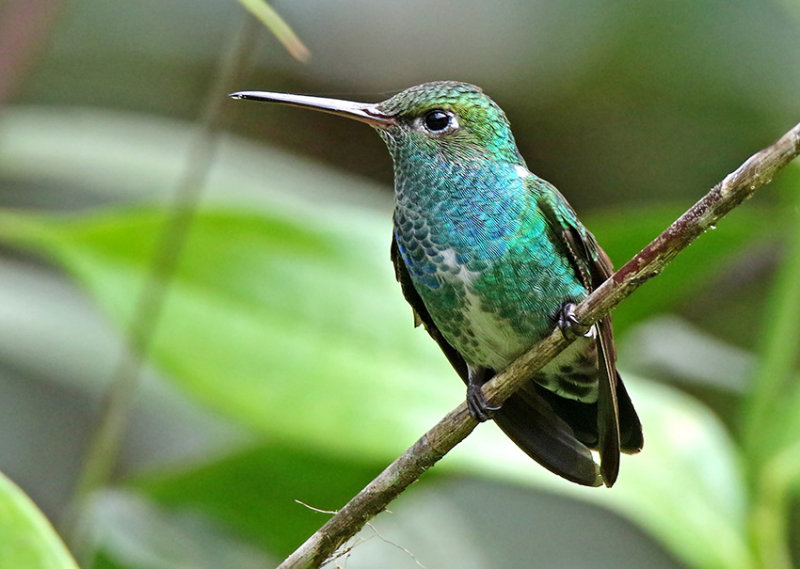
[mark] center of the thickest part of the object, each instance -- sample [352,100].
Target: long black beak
[364,112]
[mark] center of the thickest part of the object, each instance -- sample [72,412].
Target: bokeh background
[282,365]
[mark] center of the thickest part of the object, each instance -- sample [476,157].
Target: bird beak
[364,112]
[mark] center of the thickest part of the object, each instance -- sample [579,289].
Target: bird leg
[478,407]
[569,324]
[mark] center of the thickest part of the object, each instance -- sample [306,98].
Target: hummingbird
[491,259]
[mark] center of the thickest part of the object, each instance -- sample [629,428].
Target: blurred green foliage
[26,537]
[285,366]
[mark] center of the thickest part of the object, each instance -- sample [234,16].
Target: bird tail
[530,421]
[560,433]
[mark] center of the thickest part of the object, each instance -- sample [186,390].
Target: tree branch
[737,186]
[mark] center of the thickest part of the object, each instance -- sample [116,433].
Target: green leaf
[26,537]
[289,329]
[267,316]
[686,488]
[132,532]
[256,491]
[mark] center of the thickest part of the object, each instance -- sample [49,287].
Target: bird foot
[478,407]
[569,324]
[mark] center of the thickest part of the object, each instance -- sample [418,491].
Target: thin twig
[279,28]
[103,447]
[757,171]
[313,509]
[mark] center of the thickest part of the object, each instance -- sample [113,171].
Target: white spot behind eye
[522,170]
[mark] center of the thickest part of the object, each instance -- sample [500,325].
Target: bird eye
[438,120]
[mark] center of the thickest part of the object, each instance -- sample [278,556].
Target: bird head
[447,120]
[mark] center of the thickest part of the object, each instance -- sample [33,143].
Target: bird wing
[618,426]
[526,417]
[421,314]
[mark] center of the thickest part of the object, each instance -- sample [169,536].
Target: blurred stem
[779,351]
[279,28]
[104,445]
[769,517]
[772,471]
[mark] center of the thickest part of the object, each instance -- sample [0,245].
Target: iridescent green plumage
[490,257]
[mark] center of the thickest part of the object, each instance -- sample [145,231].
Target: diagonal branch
[737,186]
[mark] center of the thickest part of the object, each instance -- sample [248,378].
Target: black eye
[437,120]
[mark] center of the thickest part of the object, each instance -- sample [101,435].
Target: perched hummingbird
[491,258]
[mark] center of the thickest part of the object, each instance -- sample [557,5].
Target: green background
[284,366]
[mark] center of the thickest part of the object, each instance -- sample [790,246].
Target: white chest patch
[456,273]
[495,344]
[498,343]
